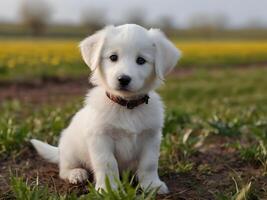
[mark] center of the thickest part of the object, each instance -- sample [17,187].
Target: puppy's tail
[48,152]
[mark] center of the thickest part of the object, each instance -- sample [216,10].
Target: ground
[214,144]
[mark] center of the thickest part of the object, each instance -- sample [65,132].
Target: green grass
[223,104]
[22,190]
[45,122]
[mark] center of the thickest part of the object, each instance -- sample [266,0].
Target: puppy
[120,126]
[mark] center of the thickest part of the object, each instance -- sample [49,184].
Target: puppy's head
[129,60]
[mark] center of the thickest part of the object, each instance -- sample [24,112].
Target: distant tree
[135,16]
[208,21]
[36,15]
[166,23]
[256,23]
[93,18]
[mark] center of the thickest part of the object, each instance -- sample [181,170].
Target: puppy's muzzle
[124,81]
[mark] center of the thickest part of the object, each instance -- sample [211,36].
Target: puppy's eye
[113,58]
[140,60]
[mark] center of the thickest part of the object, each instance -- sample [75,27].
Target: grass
[22,190]
[242,193]
[215,134]
[14,132]
[37,59]
[222,107]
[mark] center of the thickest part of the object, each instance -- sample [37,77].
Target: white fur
[103,136]
[47,151]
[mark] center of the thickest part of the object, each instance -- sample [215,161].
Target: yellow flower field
[20,59]
[222,53]
[33,53]
[24,58]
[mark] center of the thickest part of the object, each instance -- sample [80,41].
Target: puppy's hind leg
[73,152]
[70,166]
[72,171]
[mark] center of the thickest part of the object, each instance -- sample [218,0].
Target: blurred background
[39,38]
[215,134]
[70,18]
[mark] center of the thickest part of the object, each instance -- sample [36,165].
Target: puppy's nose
[124,80]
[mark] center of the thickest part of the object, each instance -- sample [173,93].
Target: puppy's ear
[167,54]
[91,48]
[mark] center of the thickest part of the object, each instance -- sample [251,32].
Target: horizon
[181,12]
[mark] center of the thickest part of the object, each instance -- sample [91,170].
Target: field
[215,135]
[37,59]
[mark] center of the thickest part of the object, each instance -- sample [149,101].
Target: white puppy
[119,127]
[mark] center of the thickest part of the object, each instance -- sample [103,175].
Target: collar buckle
[130,105]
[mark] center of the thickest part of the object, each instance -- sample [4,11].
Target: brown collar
[130,104]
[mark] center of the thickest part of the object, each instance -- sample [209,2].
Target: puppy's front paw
[99,186]
[157,184]
[77,176]
[163,189]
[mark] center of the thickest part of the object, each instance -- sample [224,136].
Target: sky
[238,12]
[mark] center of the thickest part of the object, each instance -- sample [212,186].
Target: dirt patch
[51,90]
[56,90]
[221,164]
[34,169]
